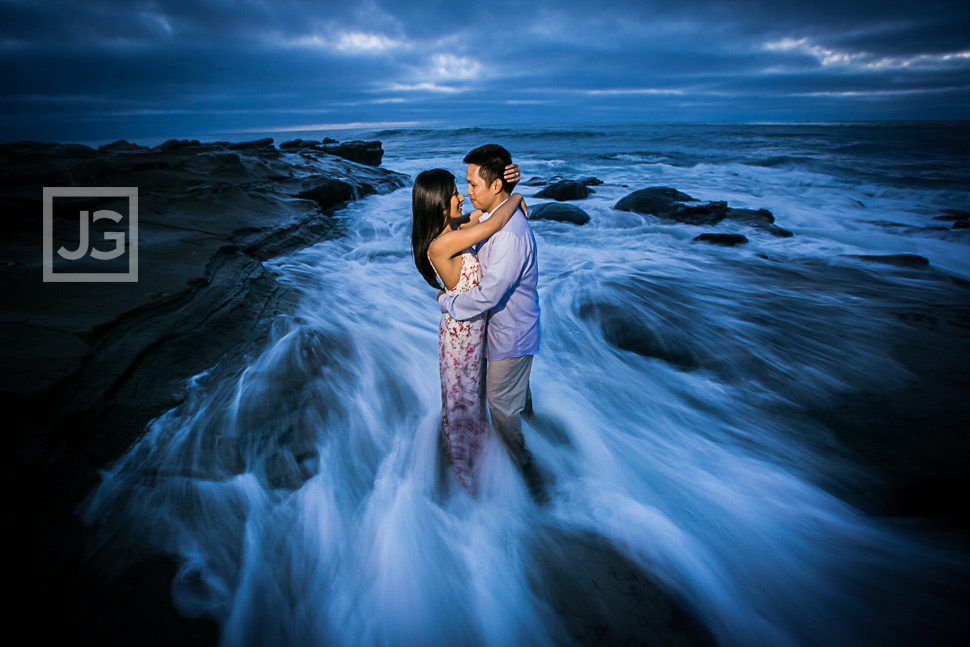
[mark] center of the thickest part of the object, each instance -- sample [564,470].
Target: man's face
[481,195]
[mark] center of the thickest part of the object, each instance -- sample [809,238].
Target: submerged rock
[559,213]
[759,218]
[625,331]
[778,232]
[565,190]
[727,240]
[952,215]
[897,260]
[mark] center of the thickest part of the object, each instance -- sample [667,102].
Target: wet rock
[536,180]
[963,283]
[897,260]
[88,365]
[329,192]
[702,214]
[726,240]
[169,146]
[750,217]
[265,142]
[670,204]
[626,332]
[951,215]
[654,201]
[307,144]
[604,598]
[368,153]
[122,146]
[778,232]
[559,212]
[565,190]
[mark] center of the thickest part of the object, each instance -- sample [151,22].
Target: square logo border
[51,192]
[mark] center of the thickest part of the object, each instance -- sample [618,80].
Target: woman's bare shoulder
[439,246]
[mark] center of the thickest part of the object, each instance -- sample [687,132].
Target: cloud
[343,42]
[356,42]
[866,60]
[421,87]
[451,67]
[634,91]
[300,61]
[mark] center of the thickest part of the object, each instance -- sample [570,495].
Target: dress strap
[436,272]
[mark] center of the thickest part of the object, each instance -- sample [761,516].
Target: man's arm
[502,275]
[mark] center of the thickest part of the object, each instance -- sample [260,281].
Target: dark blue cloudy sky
[91,70]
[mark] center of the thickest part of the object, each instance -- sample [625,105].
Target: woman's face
[456,200]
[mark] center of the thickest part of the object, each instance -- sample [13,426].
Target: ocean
[698,409]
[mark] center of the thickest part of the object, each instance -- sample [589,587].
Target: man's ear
[496,186]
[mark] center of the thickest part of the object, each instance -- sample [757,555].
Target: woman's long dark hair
[430,204]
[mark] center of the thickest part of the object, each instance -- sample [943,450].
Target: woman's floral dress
[461,359]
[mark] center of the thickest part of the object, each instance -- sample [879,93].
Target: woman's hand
[512,175]
[518,201]
[451,242]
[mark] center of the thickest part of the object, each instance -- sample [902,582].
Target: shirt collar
[488,214]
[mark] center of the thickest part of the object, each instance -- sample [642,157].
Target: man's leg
[527,412]
[509,397]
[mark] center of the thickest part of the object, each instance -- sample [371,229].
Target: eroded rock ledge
[88,365]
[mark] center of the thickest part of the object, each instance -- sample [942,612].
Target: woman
[441,240]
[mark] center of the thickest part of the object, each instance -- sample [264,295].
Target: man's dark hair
[491,160]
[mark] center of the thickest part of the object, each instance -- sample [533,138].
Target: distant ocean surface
[680,391]
[861,187]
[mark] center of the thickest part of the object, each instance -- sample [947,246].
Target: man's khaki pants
[509,398]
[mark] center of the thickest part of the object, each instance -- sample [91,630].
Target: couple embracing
[486,263]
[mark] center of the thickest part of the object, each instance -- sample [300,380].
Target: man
[507,292]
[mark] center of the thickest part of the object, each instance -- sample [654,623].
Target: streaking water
[302,491]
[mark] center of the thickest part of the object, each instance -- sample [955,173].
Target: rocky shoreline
[89,364]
